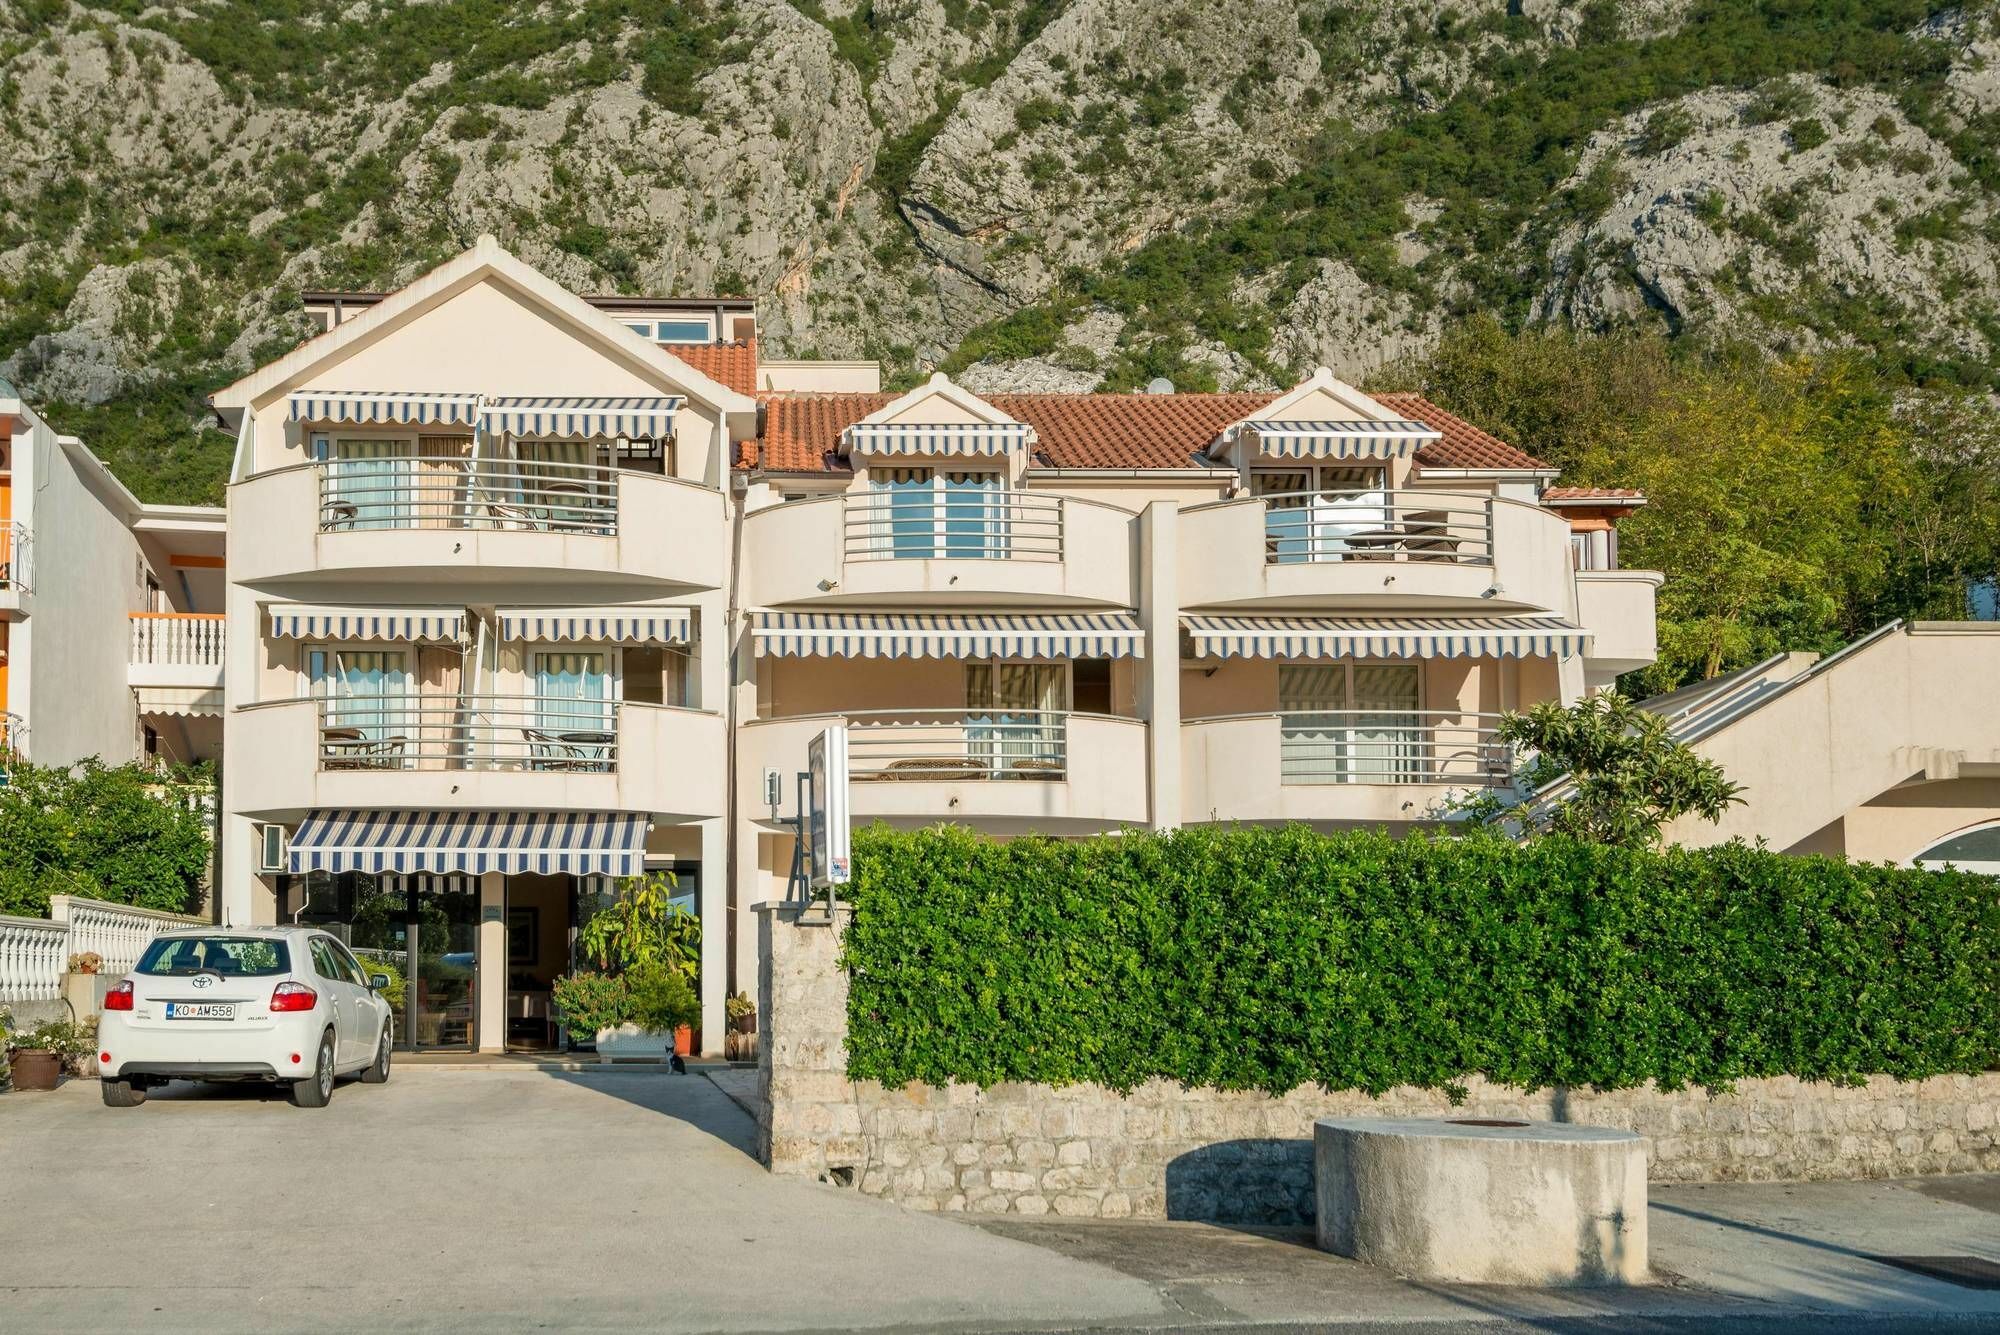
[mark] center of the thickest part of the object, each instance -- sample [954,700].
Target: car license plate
[201,1010]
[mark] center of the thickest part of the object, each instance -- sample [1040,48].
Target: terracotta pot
[35,1068]
[684,1041]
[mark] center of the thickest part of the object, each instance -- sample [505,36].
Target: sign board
[827,829]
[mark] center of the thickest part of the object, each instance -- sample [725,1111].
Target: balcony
[16,570]
[1336,766]
[1007,771]
[477,520]
[942,549]
[176,649]
[1381,549]
[505,752]
[1617,607]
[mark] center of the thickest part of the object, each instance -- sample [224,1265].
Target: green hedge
[1270,959]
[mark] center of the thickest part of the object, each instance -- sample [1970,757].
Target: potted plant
[86,961]
[640,938]
[740,1043]
[37,1056]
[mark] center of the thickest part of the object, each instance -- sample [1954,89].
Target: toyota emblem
[203,979]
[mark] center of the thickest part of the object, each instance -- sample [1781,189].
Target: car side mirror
[377,981]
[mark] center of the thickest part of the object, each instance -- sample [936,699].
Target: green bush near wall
[1270,959]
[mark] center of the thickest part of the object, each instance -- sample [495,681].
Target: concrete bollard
[1484,1202]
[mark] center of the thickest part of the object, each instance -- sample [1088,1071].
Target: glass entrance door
[422,931]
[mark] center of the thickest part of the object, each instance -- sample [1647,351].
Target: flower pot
[684,1041]
[744,1024]
[630,1042]
[35,1068]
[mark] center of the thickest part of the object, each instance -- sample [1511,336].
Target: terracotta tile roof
[1592,494]
[730,364]
[1126,430]
[1464,445]
[801,432]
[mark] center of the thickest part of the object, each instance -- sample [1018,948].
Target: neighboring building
[531,590]
[110,610]
[1887,751]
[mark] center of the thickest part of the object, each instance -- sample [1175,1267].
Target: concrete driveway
[520,1199]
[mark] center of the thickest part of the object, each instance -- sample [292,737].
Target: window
[574,719]
[368,481]
[1350,723]
[270,848]
[655,674]
[367,692]
[683,331]
[922,513]
[1015,718]
[1090,685]
[1311,513]
[349,967]
[643,328]
[322,959]
[1969,850]
[230,956]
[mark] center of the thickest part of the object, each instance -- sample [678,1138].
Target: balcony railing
[407,492]
[957,745]
[177,639]
[1391,747]
[556,734]
[13,742]
[967,524]
[1315,526]
[17,566]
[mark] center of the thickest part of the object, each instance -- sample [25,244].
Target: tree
[1605,771]
[106,832]
[643,927]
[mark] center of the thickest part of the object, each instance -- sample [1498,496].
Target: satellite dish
[1159,385]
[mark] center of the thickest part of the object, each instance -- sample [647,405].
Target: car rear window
[231,956]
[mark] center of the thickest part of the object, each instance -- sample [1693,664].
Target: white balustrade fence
[177,639]
[33,953]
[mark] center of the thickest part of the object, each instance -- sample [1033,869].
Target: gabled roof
[801,432]
[485,258]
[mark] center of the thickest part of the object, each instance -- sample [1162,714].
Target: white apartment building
[529,590]
[110,610]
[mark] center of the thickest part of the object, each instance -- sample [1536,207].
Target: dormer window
[680,329]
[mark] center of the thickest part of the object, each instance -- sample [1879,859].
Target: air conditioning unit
[271,848]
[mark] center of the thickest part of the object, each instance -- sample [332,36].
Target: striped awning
[1338,440]
[187,701]
[616,625]
[367,405]
[431,882]
[366,623]
[471,842]
[1382,637]
[572,418]
[988,438]
[900,635]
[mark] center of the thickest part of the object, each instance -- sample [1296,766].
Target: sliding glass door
[367,700]
[1015,717]
[1350,723]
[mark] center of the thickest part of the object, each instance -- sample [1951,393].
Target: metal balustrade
[482,732]
[177,639]
[411,492]
[1392,747]
[954,745]
[16,557]
[947,524]
[1317,526]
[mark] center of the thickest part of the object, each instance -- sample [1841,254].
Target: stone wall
[1166,1152]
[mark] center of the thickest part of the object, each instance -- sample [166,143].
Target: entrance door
[426,928]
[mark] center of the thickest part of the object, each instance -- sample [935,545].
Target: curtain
[364,689]
[368,483]
[906,515]
[572,692]
[1016,715]
[1287,513]
[1388,737]
[972,523]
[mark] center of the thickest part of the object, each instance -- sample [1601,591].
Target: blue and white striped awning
[1382,637]
[366,623]
[912,635]
[398,406]
[988,438]
[1338,440]
[614,625]
[471,842]
[571,418]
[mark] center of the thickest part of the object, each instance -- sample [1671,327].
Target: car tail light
[293,997]
[104,1057]
[119,998]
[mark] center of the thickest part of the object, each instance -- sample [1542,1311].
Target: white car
[287,1005]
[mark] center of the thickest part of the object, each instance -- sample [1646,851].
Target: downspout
[738,487]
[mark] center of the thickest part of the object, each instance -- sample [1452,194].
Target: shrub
[100,831]
[651,996]
[1274,958]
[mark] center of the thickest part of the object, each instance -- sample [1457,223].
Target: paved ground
[514,1200]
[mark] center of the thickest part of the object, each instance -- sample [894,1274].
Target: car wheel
[122,1093]
[377,1072]
[317,1088]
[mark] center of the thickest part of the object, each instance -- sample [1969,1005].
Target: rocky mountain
[1033,193]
